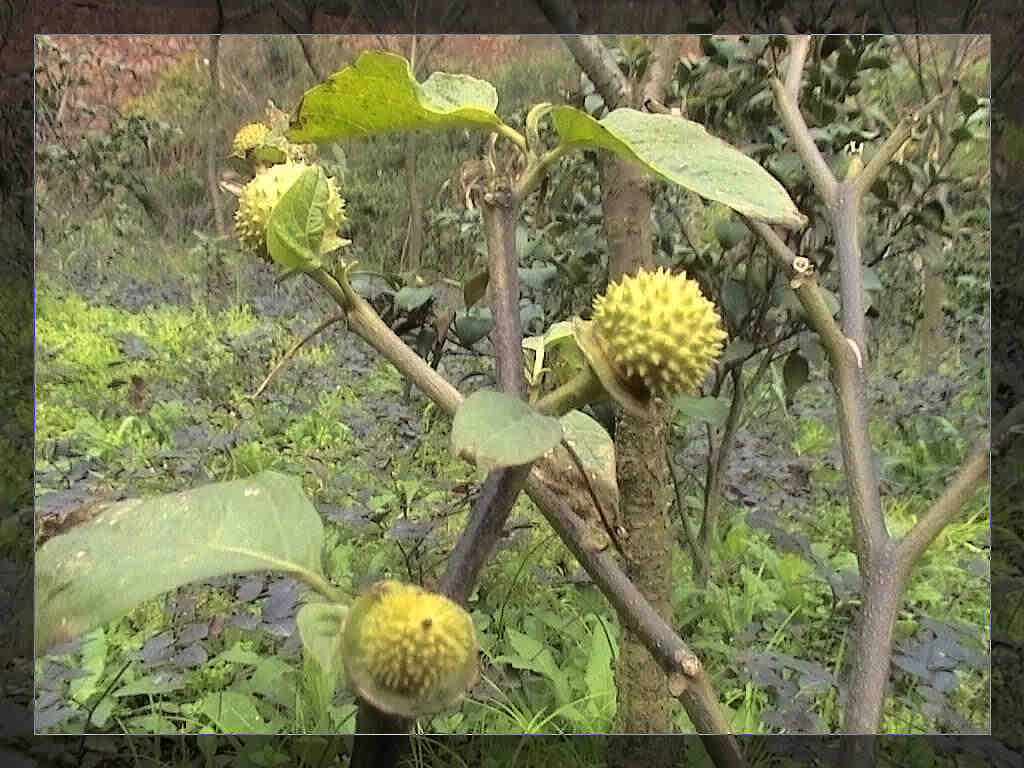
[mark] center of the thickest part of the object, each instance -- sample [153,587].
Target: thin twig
[294,349]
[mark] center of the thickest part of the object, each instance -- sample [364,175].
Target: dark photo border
[1001,18]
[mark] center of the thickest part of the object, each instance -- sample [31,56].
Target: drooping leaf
[543,346]
[599,677]
[535,278]
[530,315]
[872,282]
[735,301]
[138,549]
[737,350]
[377,94]
[411,297]
[795,372]
[499,430]
[474,288]
[473,325]
[682,152]
[320,626]
[729,232]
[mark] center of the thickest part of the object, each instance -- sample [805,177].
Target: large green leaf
[682,152]
[498,430]
[138,549]
[378,94]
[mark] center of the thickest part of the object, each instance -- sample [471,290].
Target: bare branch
[892,144]
[944,510]
[798,49]
[795,126]
[590,53]
[947,506]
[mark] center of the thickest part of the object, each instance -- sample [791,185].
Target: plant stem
[581,389]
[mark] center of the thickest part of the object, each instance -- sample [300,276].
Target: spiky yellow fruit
[658,332]
[249,136]
[408,651]
[257,200]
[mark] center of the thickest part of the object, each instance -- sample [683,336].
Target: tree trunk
[931,337]
[643,705]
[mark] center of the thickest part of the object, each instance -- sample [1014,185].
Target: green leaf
[268,154]
[321,627]
[531,654]
[475,287]
[412,297]
[94,660]
[735,301]
[499,430]
[795,372]
[681,152]
[298,223]
[729,232]
[378,94]
[274,680]
[232,712]
[472,326]
[535,278]
[737,349]
[710,409]
[138,549]
[155,684]
[541,346]
[599,677]
[872,282]
[531,315]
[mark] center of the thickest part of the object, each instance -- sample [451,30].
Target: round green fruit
[408,651]
[249,136]
[257,200]
[658,332]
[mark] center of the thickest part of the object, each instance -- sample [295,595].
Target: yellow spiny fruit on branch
[658,332]
[249,137]
[257,199]
[408,651]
